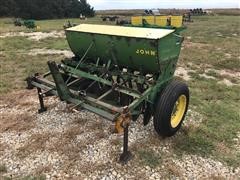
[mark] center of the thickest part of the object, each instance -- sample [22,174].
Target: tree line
[45,9]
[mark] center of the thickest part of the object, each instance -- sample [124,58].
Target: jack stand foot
[42,110]
[125,157]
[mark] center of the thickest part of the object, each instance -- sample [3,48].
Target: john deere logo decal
[146,52]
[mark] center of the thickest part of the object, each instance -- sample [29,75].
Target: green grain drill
[120,73]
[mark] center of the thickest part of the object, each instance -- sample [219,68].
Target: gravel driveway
[61,144]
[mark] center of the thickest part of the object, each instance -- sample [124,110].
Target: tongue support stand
[126,154]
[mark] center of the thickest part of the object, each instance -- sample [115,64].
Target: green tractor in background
[30,23]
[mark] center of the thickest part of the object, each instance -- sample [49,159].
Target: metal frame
[101,74]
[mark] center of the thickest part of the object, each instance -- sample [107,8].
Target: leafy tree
[45,9]
[8,8]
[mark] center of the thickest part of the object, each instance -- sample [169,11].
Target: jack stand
[40,97]
[126,155]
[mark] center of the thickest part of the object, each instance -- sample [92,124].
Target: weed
[5,178]
[35,143]
[149,158]
[174,170]
[212,73]
[39,177]
[3,168]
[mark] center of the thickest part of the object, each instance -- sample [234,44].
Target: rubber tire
[165,105]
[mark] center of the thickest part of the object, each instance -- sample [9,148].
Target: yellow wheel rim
[178,111]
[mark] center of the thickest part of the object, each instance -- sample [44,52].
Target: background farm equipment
[187,17]
[109,18]
[161,21]
[197,12]
[69,24]
[82,17]
[30,24]
[154,12]
[120,73]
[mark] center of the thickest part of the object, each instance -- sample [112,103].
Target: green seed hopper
[120,73]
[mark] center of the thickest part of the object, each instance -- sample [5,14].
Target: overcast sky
[149,4]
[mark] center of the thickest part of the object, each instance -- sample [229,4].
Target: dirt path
[35,52]
[227,77]
[36,36]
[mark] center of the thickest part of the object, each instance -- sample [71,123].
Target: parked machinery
[30,24]
[160,21]
[120,73]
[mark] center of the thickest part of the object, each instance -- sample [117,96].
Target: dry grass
[25,98]
[222,148]
[43,169]
[229,12]
[3,169]
[72,132]
[35,143]
[174,170]
[63,143]
[3,146]
[17,116]
[215,178]
[149,158]
[16,122]
[189,44]
[95,126]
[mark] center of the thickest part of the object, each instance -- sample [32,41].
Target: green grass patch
[194,143]
[5,178]
[53,43]
[29,177]
[39,177]
[219,105]
[3,168]
[15,68]
[219,42]
[213,74]
[149,158]
[7,25]
[23,44]
[15,44]
[212,29]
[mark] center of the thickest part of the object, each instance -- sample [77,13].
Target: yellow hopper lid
[138,32]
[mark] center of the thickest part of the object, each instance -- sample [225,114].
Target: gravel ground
[61,144]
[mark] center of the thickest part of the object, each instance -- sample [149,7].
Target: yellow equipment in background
[176,21]
[136,20]
[149,19]
[159,20]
